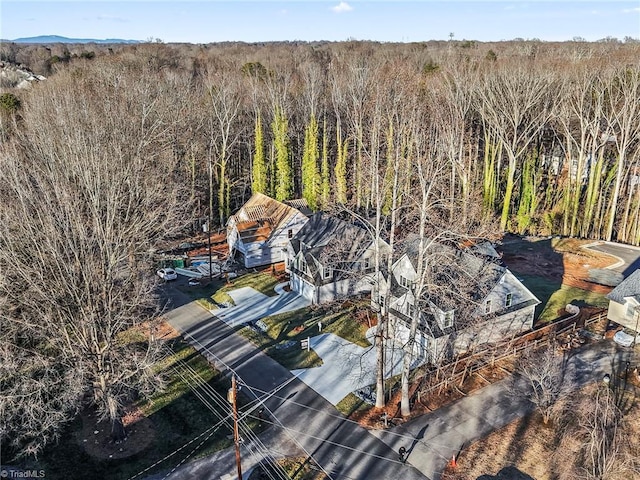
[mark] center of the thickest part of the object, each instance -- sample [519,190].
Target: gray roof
[330,241]
[456,273]
[629,287]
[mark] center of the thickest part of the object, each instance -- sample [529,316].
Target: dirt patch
[560,260]
[95,437]
[525,444]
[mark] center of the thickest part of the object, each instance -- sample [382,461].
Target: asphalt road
[629,254]
[304,421]
[308,424]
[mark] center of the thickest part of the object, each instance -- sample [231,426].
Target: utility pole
[236,437]
[209,221]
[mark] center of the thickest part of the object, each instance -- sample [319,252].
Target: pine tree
[284,174]
[259,170]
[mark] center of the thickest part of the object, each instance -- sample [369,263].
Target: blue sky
[383,20]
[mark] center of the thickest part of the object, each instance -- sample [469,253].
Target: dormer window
[366,264]
[327,272]
[508,300]
[447,321]
[290,233]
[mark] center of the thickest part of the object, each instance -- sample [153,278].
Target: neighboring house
[259,232]
[624,302]
[468,299]
[330,258]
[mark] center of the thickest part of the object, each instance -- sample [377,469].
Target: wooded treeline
[543,135]
[116,152]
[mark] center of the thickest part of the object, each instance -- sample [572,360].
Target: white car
[167,274]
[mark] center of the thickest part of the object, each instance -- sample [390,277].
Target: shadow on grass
[177,415]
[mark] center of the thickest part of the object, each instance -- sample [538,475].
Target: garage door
[302,288]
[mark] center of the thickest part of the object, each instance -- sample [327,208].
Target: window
[411,310]
[448,320]
[630,309]
[508,300]
[366,265]
[290,233]
[487,306]
[326,272]
[404,281]
[381,301]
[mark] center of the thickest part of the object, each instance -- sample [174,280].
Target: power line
[265,406]
[221,403]
[342,418]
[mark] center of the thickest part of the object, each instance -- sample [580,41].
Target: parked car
[167,274]
[194,282]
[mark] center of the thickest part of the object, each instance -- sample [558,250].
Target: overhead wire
[287,429]
[214,396]
[222,362]
[431,445]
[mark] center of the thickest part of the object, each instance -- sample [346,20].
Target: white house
[330,258]
[259,232]
[465,299]
[624,302]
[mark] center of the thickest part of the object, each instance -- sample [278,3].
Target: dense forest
[124,146]
[543,137]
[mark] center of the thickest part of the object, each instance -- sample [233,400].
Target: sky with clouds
[207,21]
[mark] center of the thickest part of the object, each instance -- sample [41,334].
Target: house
[259,232]
[330,258]
[465,298]
[624,302]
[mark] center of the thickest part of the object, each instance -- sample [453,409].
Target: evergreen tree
[283,171]
[259,170]
[310,155]
[324,172]
[341,168]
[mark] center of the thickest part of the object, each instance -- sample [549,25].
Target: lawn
[175,417]
[555,305]
[556,270]
[284,332]
[210,295]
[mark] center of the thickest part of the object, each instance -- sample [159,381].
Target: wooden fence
[457,371]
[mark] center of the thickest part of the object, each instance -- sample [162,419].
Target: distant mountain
[59,39]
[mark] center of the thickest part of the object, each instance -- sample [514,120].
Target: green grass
[555,296]
[542,288]
[565,295]
[300,324]
[177,414]
[217,291]
[351,404]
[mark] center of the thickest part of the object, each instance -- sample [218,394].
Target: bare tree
[88,189]
[543,373]
[515,102]
[595,443]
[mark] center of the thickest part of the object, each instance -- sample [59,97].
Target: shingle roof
[629,287]
[455,274]
[330,240]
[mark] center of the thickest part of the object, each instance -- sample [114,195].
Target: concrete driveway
[251,305]
[346,367]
